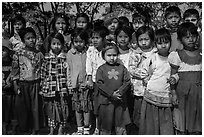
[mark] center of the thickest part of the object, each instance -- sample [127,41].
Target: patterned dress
[54,88]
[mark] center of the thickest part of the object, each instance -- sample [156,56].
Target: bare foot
[51,131]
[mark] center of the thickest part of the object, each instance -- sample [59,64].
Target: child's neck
[124,50]
[30,48]
[147,50]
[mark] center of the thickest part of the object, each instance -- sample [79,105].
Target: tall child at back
[18,22]
[188,64]
[93,61]
[139,20]
[192,15]
[54,84]
[173,17]
[77,81]
[59,23]
[26,78]
[156,112]
[113,81]
[145,42]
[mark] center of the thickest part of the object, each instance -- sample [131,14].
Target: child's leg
[86,122]
[79,119]
[52,125]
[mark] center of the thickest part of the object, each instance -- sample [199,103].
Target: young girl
[93,61]
[26,78]
[59,23]
[18,23]
[82,21]
[188,64]
[156,112]
[77,81]
[54,84]
[123,38]
[113,82]
[145,42]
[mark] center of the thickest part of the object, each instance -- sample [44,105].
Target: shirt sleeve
[69,80]
[174,59]
[126,82]
[15,73]
[89,69]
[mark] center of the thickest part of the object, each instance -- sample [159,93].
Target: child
[18,23]
[26,78]
[111,22]
[173,17]
[113,82]
[145,42]
[7,87]
[156,113]
[93,61]
[59,23]
[82,21]
[54,84]
[192,15]
[139,20]
[188,64]
[77,82]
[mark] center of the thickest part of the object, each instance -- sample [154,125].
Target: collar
[74,51]
[123,51]
[61,55]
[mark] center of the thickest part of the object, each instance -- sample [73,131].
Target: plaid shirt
[53,75]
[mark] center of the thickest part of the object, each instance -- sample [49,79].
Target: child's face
[111,56]
[56,46]
[173,20]
[163,47]
[144,41]
[18,25]
[97,40]
[30,40]
[189,40]
[79,44]
[123,39]
[191,19]
[137,23]
[5,52]
[60,25]
[81,22]
[113,25]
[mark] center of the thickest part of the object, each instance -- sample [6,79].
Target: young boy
[26,78]
[173,17]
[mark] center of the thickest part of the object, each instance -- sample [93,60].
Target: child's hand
[171,80]
[89,84]
[116,95]
[17,89]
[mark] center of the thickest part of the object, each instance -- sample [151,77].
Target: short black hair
[190,12]
[185,28]
[24,31]
[101,30]
[83,34]
[145,29]
[17,18]
[128,30]
[172,9]
[162,35]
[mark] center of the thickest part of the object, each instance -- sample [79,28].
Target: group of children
[114,74]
